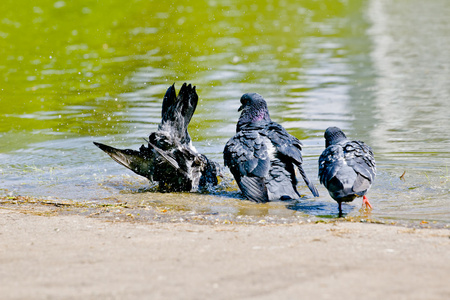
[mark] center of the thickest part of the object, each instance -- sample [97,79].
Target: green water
[73,72]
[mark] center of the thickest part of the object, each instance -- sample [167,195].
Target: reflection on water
[376,69]
[413,69]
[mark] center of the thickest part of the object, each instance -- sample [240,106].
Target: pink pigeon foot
[366,202]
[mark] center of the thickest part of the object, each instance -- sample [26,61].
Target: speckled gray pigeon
[262,154]
[170,158]
[346,168]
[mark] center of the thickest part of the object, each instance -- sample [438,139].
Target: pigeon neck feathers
[334,135]
[254,110]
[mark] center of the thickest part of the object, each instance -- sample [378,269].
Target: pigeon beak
[241,108]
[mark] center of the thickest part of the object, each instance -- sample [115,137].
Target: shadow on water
[225,199]
[320,208]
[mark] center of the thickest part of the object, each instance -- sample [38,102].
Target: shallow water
[73,73]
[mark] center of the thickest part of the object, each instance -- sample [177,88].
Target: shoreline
[48,252]
[127,209]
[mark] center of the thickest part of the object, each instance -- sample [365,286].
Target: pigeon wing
[132,159]
[246,154]
[290,147]
[330,162]
[254,188]
[360,157]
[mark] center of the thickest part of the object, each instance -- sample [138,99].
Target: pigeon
[346,168]
[262,154]
[169,157]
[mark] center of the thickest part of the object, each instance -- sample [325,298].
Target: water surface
[73,73]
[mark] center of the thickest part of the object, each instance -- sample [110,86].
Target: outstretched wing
[289,147]
[132,159]
[247,156]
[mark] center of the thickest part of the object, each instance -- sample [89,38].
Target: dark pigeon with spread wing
[262,154]
[346,168]
[170,158]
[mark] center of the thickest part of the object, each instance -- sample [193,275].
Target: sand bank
[78,257]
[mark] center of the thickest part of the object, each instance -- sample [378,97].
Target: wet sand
[47,255]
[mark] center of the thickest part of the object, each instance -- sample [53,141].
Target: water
[73,73]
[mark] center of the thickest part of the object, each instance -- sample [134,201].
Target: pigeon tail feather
[310,185]
[177,111]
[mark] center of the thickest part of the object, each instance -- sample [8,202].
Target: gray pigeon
[346,168]
[262,154]
[170,158]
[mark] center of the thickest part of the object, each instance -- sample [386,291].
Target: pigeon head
[254,109]
[333,135]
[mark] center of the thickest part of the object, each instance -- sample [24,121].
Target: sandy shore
[78,257]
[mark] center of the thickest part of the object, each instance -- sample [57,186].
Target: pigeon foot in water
[366,203]
[346,168]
